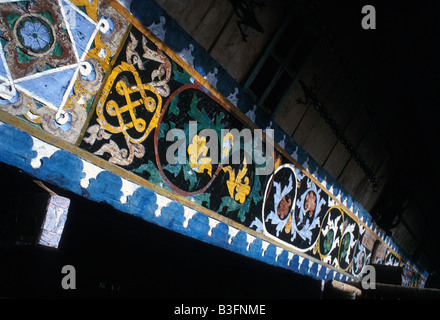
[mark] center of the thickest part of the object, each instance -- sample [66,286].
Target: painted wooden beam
[142,77]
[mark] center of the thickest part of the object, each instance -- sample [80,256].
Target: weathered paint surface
[120,88]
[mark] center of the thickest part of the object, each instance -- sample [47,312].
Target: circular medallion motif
[34,35]
[196,171]
[279,204]
[328,242]
[330,234]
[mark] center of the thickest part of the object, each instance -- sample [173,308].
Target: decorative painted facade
[89,92]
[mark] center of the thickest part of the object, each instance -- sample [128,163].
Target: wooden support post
[53,225]
[340,290]
[34,218]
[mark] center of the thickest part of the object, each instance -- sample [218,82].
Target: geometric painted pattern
[46,66]
[45,49]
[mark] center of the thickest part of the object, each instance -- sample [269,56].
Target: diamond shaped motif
[53,55]
[35,37]
[45,44]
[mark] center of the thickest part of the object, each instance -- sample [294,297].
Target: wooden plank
[202,19]
[404,239]
[381,251]
[311,115]
[291,113]
[364,193]
[342,109]
[372,149]
[351,176]
[373,152]
[336,160]
[319,140]
[313,133]
[318,65]
[356,129]
[369,196]
[208,28]
[338,90]
[414,220]
[351,291]
[368,240]
[339,155]
[236,56]
[316,136]
[187,13]
[341,112]
[330,71]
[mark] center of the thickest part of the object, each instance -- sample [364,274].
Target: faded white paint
[127,189]
[232,233]
[212,224]
[289,257]
[188,213]
[91,171]
[249,239]
[264,245]
[278,251]
[161,202]
[43,150]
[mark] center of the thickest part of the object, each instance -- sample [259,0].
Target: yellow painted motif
[100,51]
[114,110]
[238,186]
[288,226]
[89,6]
[278,162]
[197,151]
